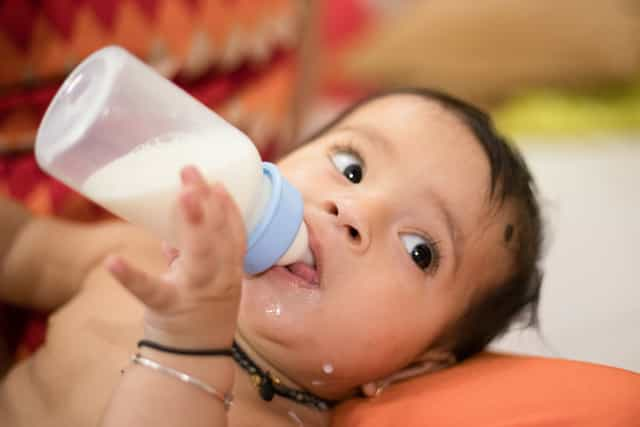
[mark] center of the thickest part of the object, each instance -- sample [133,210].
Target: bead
[266,389]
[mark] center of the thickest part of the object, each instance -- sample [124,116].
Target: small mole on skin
[508,233]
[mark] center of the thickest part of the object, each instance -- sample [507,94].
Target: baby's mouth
[307,268]
[306,272]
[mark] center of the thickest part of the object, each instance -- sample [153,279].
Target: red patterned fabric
[236,56]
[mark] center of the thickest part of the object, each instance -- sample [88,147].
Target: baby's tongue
[304,271]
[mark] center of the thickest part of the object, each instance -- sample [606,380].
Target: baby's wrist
[217,371]
[192,330]
[191,341]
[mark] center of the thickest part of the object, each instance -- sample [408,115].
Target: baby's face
[396,202]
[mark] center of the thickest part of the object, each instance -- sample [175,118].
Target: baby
[426,235]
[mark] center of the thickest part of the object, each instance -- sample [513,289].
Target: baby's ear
[428,362]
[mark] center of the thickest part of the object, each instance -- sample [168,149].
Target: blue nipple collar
[273,235]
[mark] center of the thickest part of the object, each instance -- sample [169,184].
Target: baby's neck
[251,408]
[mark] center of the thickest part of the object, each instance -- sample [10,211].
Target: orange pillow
[504,390]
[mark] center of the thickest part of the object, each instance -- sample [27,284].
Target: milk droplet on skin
[327,368]
[274,309]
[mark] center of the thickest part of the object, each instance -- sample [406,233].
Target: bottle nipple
[308,258]
[299,249]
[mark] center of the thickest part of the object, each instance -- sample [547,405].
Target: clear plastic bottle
[119,133]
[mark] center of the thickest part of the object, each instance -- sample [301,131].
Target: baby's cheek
[373,352]
[410,323]
[382,323]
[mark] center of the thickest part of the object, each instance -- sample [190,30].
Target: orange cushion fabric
[504,390]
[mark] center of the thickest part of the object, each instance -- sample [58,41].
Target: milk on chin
[142,186]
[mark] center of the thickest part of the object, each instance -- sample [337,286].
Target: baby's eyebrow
[370,136]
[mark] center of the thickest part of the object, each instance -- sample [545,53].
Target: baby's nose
[351,221]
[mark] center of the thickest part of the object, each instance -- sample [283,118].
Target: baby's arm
[193,305]
[43,261]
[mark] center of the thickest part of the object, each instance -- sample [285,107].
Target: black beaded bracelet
[185,352]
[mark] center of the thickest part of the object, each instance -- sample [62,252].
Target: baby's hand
[195,303]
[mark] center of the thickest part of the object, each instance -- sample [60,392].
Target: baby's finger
[154,293]
[196,241]
[190,206]
[210,250]
[234,222]
[229,239]
[191,176]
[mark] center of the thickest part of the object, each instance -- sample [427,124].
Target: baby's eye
[421,251]
[349,164]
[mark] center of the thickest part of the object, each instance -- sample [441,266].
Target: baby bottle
[119,133]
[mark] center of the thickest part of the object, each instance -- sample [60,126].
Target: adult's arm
[43,261]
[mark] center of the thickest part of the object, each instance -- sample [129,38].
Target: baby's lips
[305,272]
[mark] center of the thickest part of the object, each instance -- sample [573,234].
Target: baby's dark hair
[517,297]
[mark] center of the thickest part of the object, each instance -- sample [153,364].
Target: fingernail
[115,265]
[219,188]
[189,174]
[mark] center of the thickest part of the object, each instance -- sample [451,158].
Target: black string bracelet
[186,352]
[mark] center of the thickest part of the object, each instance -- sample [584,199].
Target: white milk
[142,186]
[112,103]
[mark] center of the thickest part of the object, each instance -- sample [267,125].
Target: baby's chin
[274,304]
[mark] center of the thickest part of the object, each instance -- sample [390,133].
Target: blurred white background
[590,306]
